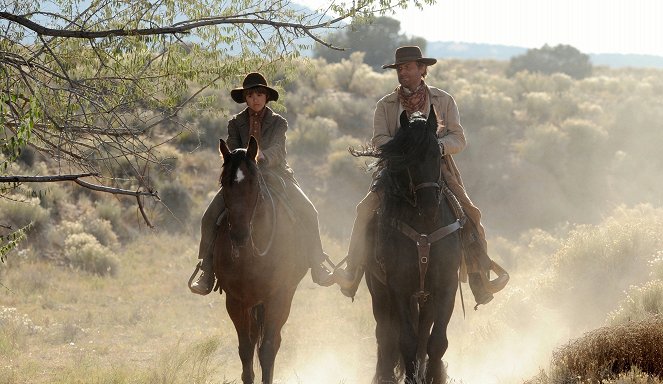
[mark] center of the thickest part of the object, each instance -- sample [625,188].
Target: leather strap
[424,243]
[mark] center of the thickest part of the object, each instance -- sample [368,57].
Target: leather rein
[264,190]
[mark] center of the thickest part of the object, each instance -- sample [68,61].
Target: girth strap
[424,243]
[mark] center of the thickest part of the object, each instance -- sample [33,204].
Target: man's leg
[479,263]
[209,225]
[350,277]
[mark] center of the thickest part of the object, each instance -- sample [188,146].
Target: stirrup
[193,276]
[496,285]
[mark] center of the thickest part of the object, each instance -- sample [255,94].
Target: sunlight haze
[592,26]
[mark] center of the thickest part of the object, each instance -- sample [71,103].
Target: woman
[269,129]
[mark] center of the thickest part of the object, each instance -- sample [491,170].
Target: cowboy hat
[253,80]
[407,54]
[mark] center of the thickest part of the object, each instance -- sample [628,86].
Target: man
[414,95]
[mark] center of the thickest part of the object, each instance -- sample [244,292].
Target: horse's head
[413,160]
[240,185]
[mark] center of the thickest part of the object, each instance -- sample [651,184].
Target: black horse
[413,279]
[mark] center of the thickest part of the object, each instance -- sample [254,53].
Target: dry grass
[143,326]
[607,352]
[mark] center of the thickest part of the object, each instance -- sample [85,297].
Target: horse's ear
[252,149]
[223,148]
[432,119]
[404,120]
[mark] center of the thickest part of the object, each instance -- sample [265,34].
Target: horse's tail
[258,318]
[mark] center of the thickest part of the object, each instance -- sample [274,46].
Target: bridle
[426,184]
[263,191]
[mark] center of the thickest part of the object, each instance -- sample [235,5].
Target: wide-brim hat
[407,54]
[253,80]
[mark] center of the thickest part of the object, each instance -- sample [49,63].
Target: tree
[85,83]
[559,59]
[378,39]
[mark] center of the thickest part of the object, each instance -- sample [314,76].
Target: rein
[424,242]
[263,187]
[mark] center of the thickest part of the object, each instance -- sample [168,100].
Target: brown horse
[258,259]
[414,277]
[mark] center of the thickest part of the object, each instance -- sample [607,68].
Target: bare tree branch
[76,179]
[182,27]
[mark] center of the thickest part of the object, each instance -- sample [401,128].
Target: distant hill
[459,50]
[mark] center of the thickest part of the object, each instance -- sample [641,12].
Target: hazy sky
[592,26]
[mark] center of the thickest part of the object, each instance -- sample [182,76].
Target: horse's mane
[232,163]
[408,145]
[406,148]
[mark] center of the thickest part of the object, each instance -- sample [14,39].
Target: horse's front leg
[277,311]
[241,318]
[386,332]
[408,337]
[438,341]
[427,314]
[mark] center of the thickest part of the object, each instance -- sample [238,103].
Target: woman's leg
[307,216]
[209,226]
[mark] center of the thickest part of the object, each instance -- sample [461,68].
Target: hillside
[565,171]
[474,51]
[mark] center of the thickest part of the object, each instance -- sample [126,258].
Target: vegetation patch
[607,352]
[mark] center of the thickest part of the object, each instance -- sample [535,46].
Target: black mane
[409,145]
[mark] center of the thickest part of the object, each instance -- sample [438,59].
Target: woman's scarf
[413,101]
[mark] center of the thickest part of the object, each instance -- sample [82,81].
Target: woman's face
[255,99]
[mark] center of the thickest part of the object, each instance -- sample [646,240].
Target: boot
[205,282]
[483,288]
[348,279]
[479,289]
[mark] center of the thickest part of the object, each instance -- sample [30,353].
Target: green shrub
[102,230]
[311,136]
[19,211]
[177,204]
[84,252]
[112,211]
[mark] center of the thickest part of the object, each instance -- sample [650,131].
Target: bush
[177,204]
[639,304]
[84,252]
[607,352]
[311,136]
[19,211]
[559,59]
[597,263]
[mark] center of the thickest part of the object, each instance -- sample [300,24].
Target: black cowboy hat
[253,80]
[407,54]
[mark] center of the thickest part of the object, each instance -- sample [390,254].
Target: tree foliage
[88,83]
[378,39]
[558,59]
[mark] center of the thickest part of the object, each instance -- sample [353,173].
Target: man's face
[409,74]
